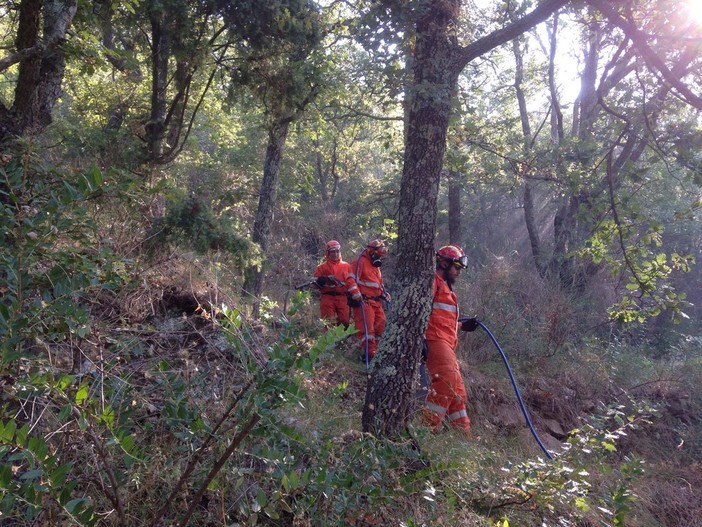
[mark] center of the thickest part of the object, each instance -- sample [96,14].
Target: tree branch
[654,61]
[502,36]
[35,51]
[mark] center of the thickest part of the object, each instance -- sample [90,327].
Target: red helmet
[453,254]
[333,244]
[333,250]
[378,247]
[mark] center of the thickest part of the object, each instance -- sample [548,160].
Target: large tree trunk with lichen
[438,60]
[389,398]
[42,28]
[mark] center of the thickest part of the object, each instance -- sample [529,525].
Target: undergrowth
[191,414]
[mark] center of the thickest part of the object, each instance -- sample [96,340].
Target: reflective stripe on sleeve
[445,307]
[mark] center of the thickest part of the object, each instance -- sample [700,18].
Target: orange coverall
[333,303]
[367,279]
[447,394]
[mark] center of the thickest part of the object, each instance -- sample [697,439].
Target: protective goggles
[459,263]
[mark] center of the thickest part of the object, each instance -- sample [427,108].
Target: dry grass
[170,315]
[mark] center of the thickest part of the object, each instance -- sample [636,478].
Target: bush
[192,222]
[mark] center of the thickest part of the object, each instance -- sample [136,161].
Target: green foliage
[349,480]
[52,261]
[277,44]
[50,257]
[41,474]
[582,481]
[31,476]
[648,293]
[143,416]
[272,380]
[192,222]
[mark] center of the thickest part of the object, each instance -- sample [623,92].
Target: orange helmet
[452,254]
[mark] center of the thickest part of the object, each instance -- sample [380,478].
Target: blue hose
[516,389]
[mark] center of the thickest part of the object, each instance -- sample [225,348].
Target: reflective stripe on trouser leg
[455,416]
[375,323]
[433,413]
[447,388]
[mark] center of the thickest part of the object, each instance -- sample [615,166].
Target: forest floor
[166,323]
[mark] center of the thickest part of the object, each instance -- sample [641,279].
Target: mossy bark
[437,62]
[389,398]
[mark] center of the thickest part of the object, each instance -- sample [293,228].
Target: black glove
[322,281]
[353,302]
[469,324]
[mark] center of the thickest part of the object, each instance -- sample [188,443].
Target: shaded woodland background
[170,171]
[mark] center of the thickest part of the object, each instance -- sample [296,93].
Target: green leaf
[8,501]
[37,446]
[65,381]
[64,412]
[66,492]
[582,504]
[7,433]
[108,416]
[58,476]
[75,505]
[33,474]
[261,498]
[95,178]
[82,394]
[609,447]
[5,475]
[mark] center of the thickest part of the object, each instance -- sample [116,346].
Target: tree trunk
[277,134]
[533,228]
[390,391]
[41,66]
[528,197]
[160,51]
[437,63]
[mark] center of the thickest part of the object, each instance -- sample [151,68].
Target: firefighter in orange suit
[331,277]
[365,286]
[446,399]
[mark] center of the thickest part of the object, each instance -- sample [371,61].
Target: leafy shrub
[50,262]
[50,256]
[191,221]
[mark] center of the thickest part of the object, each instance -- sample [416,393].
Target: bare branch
[653,60]
[38,50]
[502,36]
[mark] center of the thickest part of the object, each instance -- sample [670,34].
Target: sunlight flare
[693,11]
